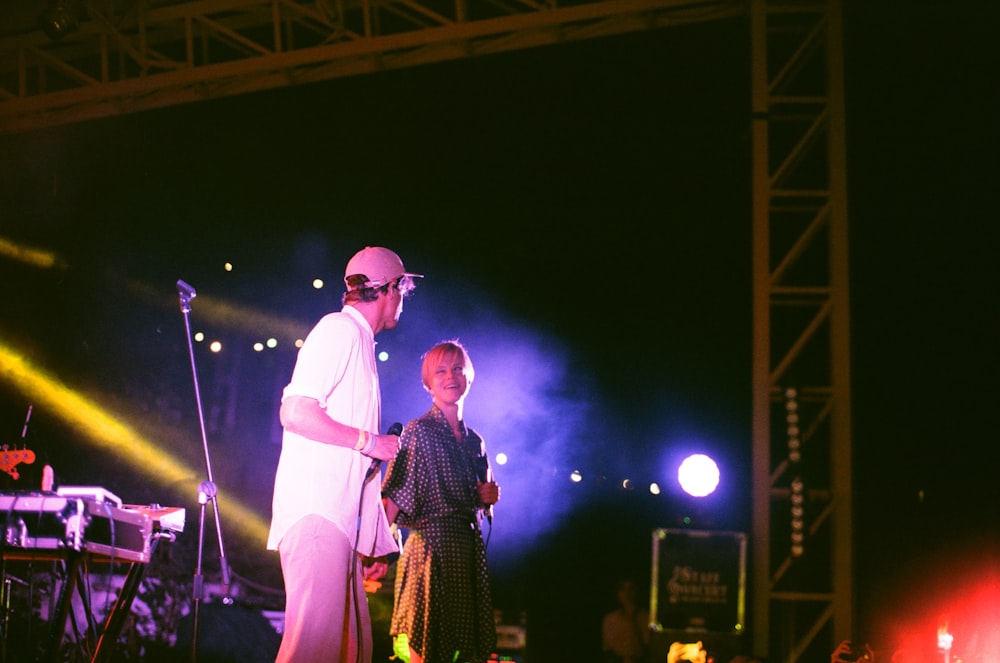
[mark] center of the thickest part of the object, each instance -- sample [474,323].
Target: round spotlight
[698,475]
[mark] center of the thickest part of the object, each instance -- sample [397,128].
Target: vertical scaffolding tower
[802,563]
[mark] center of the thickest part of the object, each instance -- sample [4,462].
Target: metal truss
[802,567]
[133,55]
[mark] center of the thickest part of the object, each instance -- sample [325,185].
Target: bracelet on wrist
[370,447]
[360,444]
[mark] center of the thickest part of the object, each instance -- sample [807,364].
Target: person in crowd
[328,523]
[849,652]
[625,630]
[437,489]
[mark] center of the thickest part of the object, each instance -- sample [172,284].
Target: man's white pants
[322,620]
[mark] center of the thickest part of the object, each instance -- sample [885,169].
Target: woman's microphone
[485,475]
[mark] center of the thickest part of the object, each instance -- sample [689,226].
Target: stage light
[698,475]
[798,527]
[945,641]
[61,18]
[792,421]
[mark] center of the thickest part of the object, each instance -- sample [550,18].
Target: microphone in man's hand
[483,474]
[395,429]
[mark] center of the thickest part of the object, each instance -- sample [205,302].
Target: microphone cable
[352,569]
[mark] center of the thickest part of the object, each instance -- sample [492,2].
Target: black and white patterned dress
[442,600]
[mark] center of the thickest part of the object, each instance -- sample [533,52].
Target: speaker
[698,581]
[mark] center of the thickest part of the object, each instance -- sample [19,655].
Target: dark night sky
[582,215]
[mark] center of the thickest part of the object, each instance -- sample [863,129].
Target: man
[328,523]
[625,630]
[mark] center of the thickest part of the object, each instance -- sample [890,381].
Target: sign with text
[698,581]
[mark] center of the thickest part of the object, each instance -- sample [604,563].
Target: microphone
[24,431]
[485,475]
[185,290]
[395,429]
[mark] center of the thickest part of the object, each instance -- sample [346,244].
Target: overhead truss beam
[133,55]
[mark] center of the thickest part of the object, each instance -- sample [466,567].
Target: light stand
[207,491]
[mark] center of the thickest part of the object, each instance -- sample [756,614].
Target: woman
[438,487]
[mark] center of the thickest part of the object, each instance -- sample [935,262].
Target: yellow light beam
[29,256]
[104,430]
[217,311]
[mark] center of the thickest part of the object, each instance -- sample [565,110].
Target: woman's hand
[489,492]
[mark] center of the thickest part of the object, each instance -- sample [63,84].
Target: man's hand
[691,651]
[846,652]
[374,568]
[386,447]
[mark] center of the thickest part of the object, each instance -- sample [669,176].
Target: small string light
[798,487]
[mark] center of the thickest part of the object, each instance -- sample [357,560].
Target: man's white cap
[379,266]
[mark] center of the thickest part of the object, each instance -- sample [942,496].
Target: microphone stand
[207,490]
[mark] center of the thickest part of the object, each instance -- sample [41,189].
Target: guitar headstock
[11,458]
